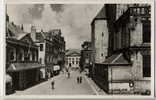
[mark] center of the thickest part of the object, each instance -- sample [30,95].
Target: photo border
[2,29]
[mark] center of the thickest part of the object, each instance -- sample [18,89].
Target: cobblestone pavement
[63,86]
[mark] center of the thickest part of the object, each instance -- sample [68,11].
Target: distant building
[72,58]
[85,60]
[21,57]
[129,50]
[51,49]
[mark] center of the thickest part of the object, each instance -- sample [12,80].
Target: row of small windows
[72,62]
[73,59]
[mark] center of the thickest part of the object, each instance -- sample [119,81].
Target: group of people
[79,79]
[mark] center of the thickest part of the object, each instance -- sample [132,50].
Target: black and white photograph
[78,49]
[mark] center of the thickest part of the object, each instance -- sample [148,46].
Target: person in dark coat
[52,84]
[68,74]
[80,79]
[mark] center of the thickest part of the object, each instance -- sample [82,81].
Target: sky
[73,19]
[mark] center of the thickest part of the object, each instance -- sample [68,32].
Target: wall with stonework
[137,66]
[101,42]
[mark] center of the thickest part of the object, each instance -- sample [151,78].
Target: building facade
[85,60]
[73,59]
[21,57]
[51,50]
[129,51]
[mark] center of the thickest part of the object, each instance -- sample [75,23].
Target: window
[12,56]
[72,62]
[20,56]
[40,61]
[77,62]
[146,66]
[33,56]
[41,47]
[146,32]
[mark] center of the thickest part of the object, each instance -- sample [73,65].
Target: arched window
[21,55]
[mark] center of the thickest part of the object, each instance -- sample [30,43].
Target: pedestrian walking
[52,84]
[78,79]
[68,74]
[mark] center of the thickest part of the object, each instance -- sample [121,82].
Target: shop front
[24,75]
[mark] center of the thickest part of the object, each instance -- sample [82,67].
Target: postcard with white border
[79,49]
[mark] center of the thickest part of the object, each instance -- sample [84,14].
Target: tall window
[41,47]
[146,32]
[33,55]
[12,55]
[40,60]
[146,66]
[20,56]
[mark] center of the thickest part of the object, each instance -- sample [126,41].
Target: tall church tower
[99,36]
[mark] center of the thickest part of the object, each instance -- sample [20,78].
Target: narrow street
[63,86]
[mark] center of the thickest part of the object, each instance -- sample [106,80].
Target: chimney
[33,33]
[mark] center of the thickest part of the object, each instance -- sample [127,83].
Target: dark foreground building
[21,57]
[122,49]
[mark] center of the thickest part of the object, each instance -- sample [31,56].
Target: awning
[116,59]
[14,67]
[8,78]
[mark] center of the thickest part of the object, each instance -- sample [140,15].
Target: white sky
[73,19]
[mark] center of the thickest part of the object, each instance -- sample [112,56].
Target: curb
[93,88]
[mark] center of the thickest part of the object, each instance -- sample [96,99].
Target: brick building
[129,50]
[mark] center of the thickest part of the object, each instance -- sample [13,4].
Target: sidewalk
[94,86]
